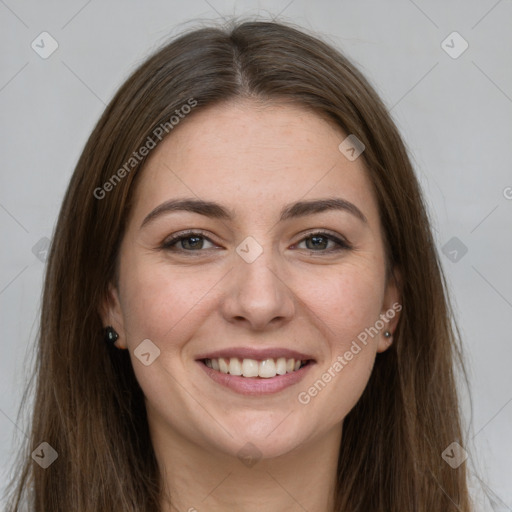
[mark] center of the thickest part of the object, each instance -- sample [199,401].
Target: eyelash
[343,245]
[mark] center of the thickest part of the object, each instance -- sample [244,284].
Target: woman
[243,308]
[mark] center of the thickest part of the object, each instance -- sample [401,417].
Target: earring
[111,335]
[387,334]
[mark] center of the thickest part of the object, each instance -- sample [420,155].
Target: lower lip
[256,385]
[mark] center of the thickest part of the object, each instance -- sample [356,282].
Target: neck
[195,479]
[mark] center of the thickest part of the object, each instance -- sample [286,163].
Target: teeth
[250,368]
[235,367]
[281,366]
[268,369]
[223,365]
[265,369]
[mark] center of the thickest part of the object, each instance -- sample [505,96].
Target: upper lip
[254,353]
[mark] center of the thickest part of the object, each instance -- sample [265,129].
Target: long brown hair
[88,405]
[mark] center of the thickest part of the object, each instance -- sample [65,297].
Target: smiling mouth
[252,368]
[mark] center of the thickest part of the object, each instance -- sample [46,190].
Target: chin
[260,440]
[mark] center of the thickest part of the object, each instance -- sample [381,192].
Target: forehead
[254,157]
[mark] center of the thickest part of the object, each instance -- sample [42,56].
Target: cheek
[158,303]
[349,301]
[346,309]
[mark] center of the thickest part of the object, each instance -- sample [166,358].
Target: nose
[257,295]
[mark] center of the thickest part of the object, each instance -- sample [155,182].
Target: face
[264,271]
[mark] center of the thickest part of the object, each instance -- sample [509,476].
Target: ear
[111,314]
[391,308]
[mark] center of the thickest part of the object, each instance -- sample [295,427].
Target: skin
[253,158]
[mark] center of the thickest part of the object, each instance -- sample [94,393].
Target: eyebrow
[290,211]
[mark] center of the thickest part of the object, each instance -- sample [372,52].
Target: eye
[322,241]
[189,241]
[194,241]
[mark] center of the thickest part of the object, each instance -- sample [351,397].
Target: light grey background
[455,115]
